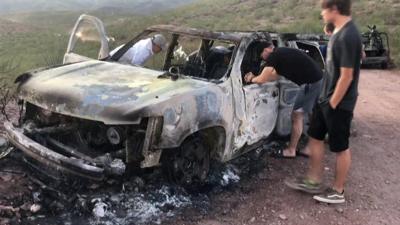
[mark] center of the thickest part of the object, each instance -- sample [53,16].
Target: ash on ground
[145,199]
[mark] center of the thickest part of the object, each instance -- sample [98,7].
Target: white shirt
[138,54]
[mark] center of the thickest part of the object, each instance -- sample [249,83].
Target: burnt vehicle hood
[103,91]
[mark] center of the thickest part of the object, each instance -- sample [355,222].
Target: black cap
[264,44]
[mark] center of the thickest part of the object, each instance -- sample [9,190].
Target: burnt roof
[232,36]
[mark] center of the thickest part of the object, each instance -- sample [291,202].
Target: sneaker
[330,196]
[304,185]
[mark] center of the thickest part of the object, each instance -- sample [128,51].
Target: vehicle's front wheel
[190,163]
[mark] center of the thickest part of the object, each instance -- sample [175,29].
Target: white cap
[160,41]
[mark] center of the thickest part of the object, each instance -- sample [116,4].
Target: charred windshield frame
[207,43]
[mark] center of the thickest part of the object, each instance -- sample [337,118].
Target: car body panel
[87,22]
[99,90]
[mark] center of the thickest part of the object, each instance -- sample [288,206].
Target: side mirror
[174,72]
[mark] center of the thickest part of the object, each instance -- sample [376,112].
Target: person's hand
[332,105]
[248,77]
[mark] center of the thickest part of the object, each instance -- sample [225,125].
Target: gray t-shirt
[344,50]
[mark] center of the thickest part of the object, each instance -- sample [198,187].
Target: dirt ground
[372,191]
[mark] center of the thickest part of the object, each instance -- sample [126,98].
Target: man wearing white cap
[140,52]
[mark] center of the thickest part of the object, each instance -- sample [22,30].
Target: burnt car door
[257,111]
[262,102]
[88,41]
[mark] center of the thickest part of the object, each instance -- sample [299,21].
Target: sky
[10,6]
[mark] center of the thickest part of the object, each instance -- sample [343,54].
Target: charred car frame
[97,117]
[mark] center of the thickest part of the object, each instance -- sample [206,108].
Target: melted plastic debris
[99,209]
[117,167]
[229,175]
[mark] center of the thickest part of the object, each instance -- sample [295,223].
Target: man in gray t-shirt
[343,52]
[334,112]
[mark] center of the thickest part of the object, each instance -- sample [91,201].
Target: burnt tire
[189,164]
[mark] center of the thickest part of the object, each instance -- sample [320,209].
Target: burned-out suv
[185,108]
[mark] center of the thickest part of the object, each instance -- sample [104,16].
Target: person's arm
[268,74]
[343,84]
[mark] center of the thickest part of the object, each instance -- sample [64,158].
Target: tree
[7,96]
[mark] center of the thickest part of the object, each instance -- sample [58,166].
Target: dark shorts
[334,122]
[307,96]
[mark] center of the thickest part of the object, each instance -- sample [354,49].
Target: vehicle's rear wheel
[190,163]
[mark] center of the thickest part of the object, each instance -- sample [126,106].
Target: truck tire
[190,163]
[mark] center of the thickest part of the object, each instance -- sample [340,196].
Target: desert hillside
[34,39]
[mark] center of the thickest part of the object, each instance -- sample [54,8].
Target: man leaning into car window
[140,52]
[296,66]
